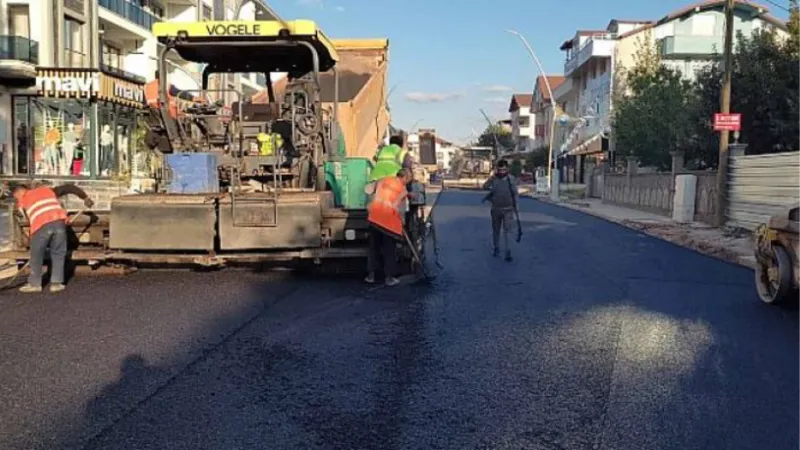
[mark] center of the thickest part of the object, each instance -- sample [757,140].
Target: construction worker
[48,229]
[503,195]
[266,143]
[384,215]
[391,158]
[151,93]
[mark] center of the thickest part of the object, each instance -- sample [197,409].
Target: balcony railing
[596,45]
[74,59]
[121,73]
[131,12]
[19,48]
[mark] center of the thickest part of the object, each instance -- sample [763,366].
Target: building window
[112,56]
[207,12]
[524,122]
[115,138]
[74,54]
[19,21]
[51,136]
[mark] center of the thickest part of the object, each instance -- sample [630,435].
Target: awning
[590,146]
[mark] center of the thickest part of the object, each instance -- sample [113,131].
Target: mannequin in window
[68,142]
[106,149]
[51,138]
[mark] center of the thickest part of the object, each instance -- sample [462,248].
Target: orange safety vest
[384,209]
[42,207]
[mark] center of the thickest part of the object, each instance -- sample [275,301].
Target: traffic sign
[727,122]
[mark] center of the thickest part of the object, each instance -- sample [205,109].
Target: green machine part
[347,179]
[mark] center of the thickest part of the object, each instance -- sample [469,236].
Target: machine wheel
[774,282]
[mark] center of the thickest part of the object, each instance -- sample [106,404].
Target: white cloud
[340,8]
[498,88]
[432,97]
[496,100]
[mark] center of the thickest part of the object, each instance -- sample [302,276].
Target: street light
[552,106]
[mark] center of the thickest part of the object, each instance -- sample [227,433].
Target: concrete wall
[654,192]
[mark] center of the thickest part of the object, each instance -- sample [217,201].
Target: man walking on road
[48,229]
[503,195]
[384,215]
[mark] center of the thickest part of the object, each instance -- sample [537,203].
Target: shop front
[76,123]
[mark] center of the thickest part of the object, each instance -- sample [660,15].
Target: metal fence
[761,186]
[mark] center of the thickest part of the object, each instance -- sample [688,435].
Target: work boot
[57,287]
[392,281]
[508,257]
[370,278]
[30,289]
[496,252]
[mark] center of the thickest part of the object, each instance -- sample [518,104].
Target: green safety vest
[266,143]
[389,161]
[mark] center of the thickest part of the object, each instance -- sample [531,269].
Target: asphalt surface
[595,337]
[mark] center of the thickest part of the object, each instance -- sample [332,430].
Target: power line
[775,4]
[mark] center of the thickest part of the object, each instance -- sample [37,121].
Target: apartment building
[521,122]
[596,62]
[73,74]
[542,109]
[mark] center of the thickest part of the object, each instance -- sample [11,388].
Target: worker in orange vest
[48,228]
[384,215]
[151,94]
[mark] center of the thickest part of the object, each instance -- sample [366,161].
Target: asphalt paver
[594,337]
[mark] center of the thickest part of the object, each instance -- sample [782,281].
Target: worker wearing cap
[48,228]
[391,158]
[384,215]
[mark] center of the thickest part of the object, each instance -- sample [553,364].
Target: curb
[748,262]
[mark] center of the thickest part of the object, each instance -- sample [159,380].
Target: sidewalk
[726,244]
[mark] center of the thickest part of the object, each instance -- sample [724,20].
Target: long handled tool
[28,263]
[417,258]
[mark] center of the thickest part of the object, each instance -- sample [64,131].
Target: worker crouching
[48,229]
[384,215]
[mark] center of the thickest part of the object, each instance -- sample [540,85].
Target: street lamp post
[552,107]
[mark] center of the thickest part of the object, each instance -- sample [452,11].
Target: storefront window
[22,135]
[117,126]
[60,130]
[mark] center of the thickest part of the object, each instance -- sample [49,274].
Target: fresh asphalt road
[595,337]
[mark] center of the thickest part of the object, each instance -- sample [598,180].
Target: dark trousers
[54,236]
[382,246]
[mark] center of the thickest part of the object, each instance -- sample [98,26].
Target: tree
[651,120]
[793,44]
[487,139]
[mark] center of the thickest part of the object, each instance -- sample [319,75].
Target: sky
[449,58]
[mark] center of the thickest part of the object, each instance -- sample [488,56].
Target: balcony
[598,46]
[18,59]
[686,46]
[111,70]
[131,12]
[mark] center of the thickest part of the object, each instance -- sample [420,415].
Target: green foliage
[516,167]
[793,44]
[653,120]
[487,138]
[537,158]
[662,112]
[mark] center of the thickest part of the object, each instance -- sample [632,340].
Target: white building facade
[522,122]
[74,76]
[596,62]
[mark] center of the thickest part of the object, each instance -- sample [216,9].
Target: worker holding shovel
[48,229]
[503,195]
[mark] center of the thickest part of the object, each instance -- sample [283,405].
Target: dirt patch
[707,241]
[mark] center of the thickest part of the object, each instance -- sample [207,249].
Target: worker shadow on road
[137,382]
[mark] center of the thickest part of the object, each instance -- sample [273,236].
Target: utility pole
[725,108]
